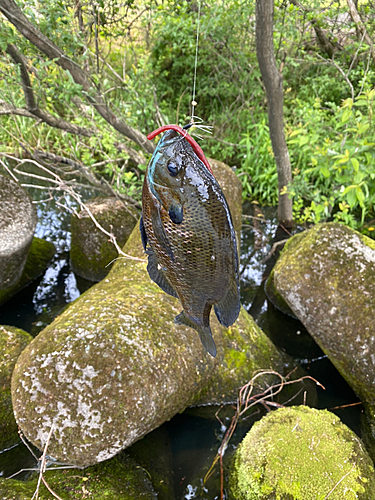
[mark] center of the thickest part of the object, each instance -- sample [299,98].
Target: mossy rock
[12,342]
[18,220]
[114,366]
[275,298]
[327,277]
[299,453]
[232,188]
[118,479]
[91,253]
[40,255]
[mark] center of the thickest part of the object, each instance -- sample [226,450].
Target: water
[39,303]
[195,436]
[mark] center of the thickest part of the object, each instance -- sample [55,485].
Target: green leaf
[355,164]
[360,195]
[359,176]
[363,127]
[352,198]
[346,115]
[325,171]
[360,102]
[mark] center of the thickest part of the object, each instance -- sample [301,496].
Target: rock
[114,366]
[18,220]
[117,479]
[91,251]
[232,189]
[12,342]
[327,277]
[40,255]
[299,453]
[275,298]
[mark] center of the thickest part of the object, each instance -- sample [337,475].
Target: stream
[195,435]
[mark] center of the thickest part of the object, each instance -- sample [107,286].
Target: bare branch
[7,109]
[60,185]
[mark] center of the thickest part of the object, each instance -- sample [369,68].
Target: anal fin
[228,309]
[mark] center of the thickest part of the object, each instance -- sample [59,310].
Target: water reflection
[38,304]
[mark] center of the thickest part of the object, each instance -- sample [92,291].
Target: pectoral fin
[157,275]
[204,332]
[159,232]
[176,213]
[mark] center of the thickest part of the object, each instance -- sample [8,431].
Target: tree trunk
[360,26]
[273,83]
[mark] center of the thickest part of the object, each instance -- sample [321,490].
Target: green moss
[91,253]
[40,254]
[327,277]
[244,349]
[116,479]
[12,342]
[300,453]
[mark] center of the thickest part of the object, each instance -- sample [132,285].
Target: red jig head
[186,136]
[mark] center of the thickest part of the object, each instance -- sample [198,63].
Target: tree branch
[31,104]
[323,39]
[273,82]
[15,15]
[7,109]
[361,27]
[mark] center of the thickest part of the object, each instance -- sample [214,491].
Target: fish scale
[196,259]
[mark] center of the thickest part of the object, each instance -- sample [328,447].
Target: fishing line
[193,103]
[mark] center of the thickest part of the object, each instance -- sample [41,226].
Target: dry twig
[247,400]
[58,184]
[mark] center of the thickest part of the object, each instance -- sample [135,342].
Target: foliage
[141,55]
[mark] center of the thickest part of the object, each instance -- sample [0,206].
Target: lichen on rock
[18,220]
[299,453]
[327,277]
[40,255]
[12,342]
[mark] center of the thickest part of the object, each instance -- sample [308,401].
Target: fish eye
[172,169]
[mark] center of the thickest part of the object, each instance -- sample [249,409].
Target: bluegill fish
[188,234]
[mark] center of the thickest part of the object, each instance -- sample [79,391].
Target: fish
[188,235]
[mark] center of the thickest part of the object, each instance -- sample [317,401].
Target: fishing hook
[198,150]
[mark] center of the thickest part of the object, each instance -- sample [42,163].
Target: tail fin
[204,332]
